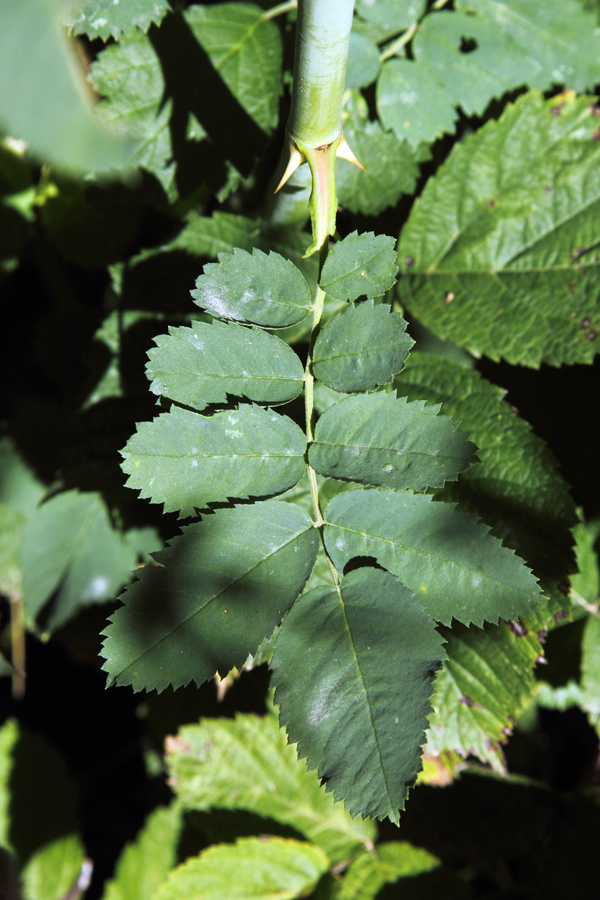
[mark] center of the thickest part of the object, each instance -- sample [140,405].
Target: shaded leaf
[105,18]
[361,347]
[266,290]
[398,14]
[44,104]
[186,460]
[353,670]
[515,486]
[72,551]
[246,763]
[479,51]
[590,669]
[54,870]
[202,364]
[363,62]
[251,869]
[391,861]
[360,264]
[215,593]
[484,686]
[380,439]
[447,558]
[391,168]
[144,865]
[11,538]
[503,239]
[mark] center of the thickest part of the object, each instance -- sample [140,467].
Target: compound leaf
[502,242]
[445,557]
[391,168]
[220,587]
[479,51]
[353,669]
[107,18]
[361,347]
[246,763]
[266,290]
[380,439]
[186,460]
[514,486]
[253,868]
[360,264]
[145,864]
[200,365]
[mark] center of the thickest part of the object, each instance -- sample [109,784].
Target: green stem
[280,9]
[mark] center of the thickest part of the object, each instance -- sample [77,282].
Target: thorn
[345,152]
[296,159]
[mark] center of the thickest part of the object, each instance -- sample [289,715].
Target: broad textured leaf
[129,77]
[251,869]
[363,62]
[11,538]
[43,103]
[245,49]
[480,50]
[107,18]
[395,13]
[390,163]
[361,347]
[201,365]
[53,871]
[369,872]
[484,686]
[380,439]
[266,290]
[186,460]
[354,670]
[446,558]
[72,552]
[246,763]
[144,865]
[503,237]
[515,486]
[217,591]
[360,264]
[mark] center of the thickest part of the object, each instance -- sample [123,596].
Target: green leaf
[390,163]
[246,763]
[446,558]
[72,551]
[253,868]
[369,872]
[245,49]
[380,439]
[202,364]
[586,581]
[144,865]
[363,62]
[215,593]
[361,347]
[266,290]
[590,668]
[507,45]
[11,538]
[186,460]
[485,684]
[44,104]
[503,238]
[360,264]
[353,670]
[515,486]
[53,872]
[398,14]
[105,18]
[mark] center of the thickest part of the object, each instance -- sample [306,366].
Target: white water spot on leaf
[97,587]
[233,432]
[99,23]
[476,580]
[232,419]
[194,463]
[340,543]
[433,453]
[389,469]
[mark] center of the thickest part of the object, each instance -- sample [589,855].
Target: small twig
[592,608]
[397,45]
[17,636]
[280,9]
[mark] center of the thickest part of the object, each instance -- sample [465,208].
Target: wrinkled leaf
[446,558]
[214,594]
[107,18]
[251,869]
[246,763]
[186,460]
[265,290]
[353,670]
[361,347]
[360,264]
[502,242]
[369,872]
[202,364]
